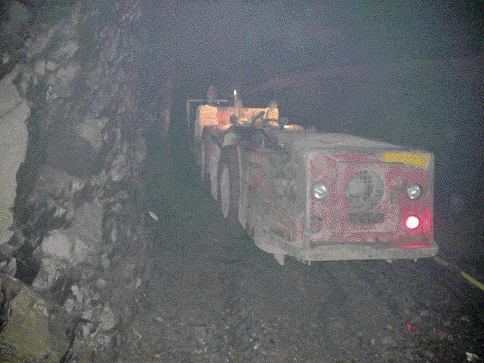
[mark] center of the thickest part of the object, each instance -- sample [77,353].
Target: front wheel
[228,187]
[204,164]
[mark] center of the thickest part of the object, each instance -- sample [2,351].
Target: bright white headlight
[320,191]
[414,191]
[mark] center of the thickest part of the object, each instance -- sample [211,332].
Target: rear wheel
[229,183]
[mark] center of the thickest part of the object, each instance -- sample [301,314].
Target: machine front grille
[365,191]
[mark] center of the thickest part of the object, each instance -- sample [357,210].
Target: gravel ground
[215,297]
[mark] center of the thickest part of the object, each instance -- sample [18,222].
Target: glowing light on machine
[236,103]
[412,222]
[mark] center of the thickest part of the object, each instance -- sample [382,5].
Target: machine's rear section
[360,204]
[382,200]
[316,196]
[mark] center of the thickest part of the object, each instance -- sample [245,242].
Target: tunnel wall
[77,233]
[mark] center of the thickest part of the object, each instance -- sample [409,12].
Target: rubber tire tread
[229,156]
[204,168]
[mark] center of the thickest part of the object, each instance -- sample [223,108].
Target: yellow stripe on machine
[419,160]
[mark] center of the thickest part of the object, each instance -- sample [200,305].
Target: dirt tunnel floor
[215,297]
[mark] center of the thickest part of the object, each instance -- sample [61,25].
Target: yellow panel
[272,114]
[207,115]
[419,160]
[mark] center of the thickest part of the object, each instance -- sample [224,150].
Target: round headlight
[320,191]
[414,191]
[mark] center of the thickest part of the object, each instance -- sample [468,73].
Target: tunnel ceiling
[219,42]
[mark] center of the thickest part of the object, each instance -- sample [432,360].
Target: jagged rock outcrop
[13,143]
[78,235]
[31,329]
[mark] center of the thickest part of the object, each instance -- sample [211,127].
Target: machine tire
[204,166]
[228,183]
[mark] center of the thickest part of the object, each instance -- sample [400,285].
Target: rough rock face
[15,20]
[33,331]
[13,142]
[78,234]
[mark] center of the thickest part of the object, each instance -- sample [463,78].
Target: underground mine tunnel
[111,247]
